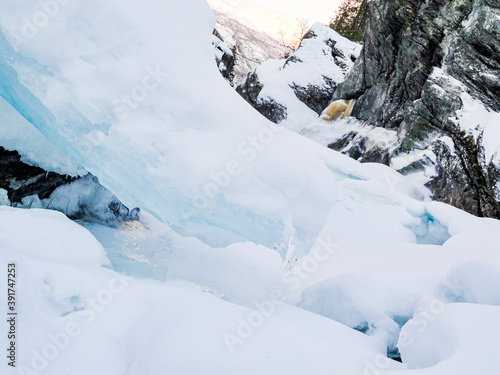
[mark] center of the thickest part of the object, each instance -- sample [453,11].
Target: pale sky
[315,10]
[271,15]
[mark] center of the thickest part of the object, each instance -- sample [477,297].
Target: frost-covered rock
[354,138]
[430,71]
[294,91]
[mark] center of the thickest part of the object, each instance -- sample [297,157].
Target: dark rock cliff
[420,57]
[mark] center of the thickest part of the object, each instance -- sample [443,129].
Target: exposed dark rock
[398,85]
[80,198]
[22,180]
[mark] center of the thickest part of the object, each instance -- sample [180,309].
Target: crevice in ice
[430,231]
[341,175]
[392,349]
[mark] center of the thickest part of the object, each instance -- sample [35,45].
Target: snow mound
[444,343]
[91,320]
[50,236]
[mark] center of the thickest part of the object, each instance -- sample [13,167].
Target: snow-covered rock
[294,91]
[224,57]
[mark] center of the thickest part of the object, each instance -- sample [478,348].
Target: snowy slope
[233,309]
[157,119]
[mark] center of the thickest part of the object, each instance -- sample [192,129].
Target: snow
[96,71]
[475,282]
[121,325]
[218,304]
[443,343]
[295,244]
[46,234]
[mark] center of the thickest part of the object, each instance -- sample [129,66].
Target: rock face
[296,90]
[430,70]
[80,198]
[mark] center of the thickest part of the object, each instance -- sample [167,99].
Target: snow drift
[109,85]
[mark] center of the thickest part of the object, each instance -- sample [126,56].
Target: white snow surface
[298,246]
[184,299]
[105,323]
